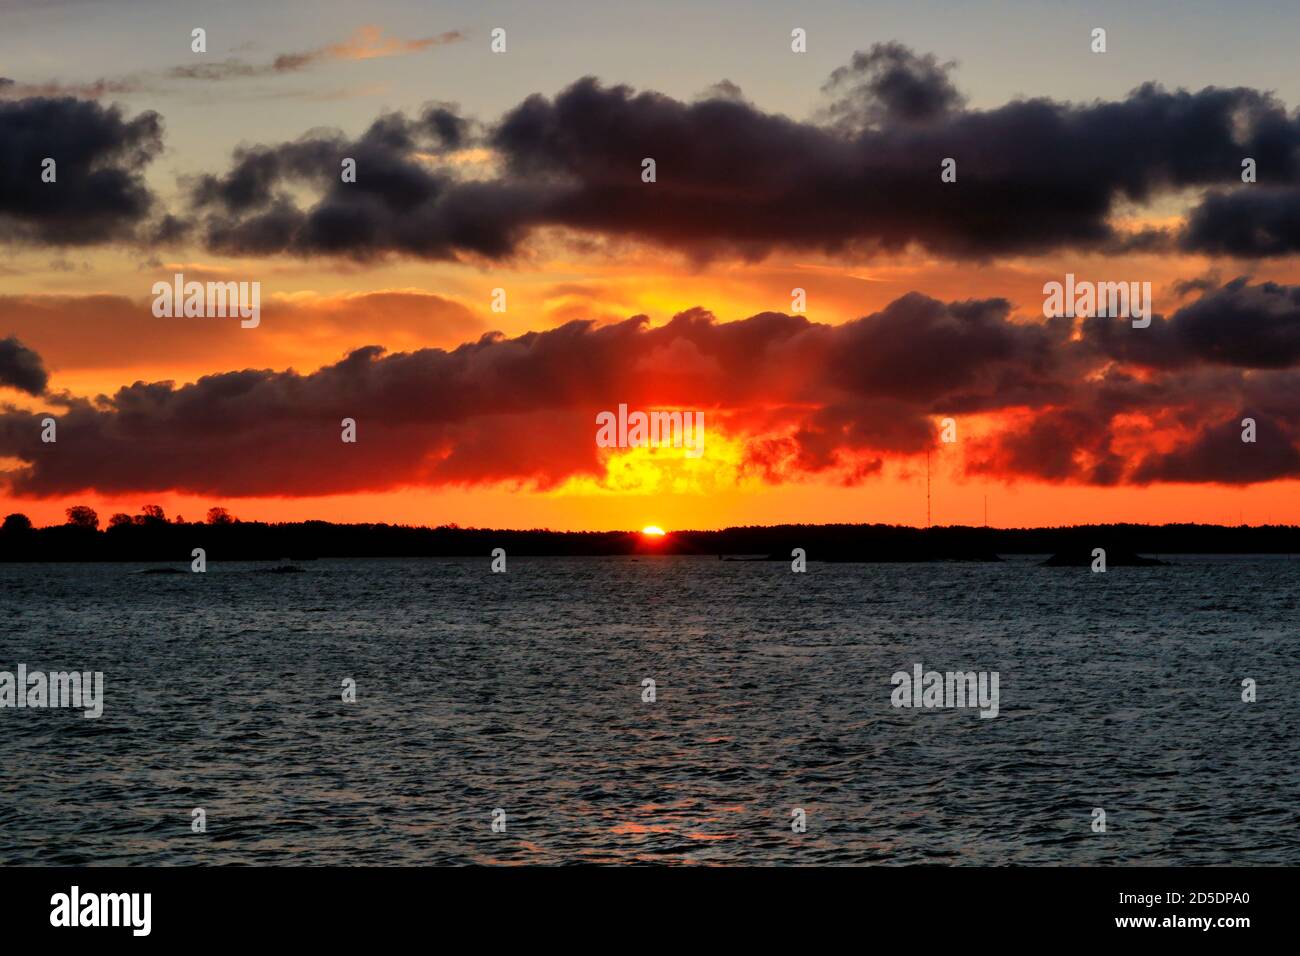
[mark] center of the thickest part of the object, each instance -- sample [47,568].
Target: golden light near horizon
[654,531]
[789,439]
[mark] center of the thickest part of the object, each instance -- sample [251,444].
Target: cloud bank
[799,398]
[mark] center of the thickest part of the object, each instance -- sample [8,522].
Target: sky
[500,272]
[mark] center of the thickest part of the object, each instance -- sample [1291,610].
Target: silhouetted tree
[219,516]
[81,516]
[259,541]
[151,515]
[16,523]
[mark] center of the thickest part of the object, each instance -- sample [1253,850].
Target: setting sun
[655,530]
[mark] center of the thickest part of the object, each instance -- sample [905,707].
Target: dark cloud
[1170,410]
[1184,287]
[724,90]
[1238,324]
[1055,444]
[1218,454]
[890,84]
[1033,176]
[21,368]
[1184,425]
[515,409]
[1250,222]
[799,398]
[971,348]
[100,157]
[397,204]
[1248,326]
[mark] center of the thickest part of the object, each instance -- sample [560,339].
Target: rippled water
[523,691]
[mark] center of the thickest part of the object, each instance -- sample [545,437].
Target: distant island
[150,536]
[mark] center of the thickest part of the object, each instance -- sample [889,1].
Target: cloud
[100,156]
[798,398]
[1238,324]
[891,84]
[1033,176]
[1166,403]
[367,43]
[1217,454]
[1120,428]
[111,333]
[397,204]
[21,368]
[94,90]
[1252,222]
[1058,444]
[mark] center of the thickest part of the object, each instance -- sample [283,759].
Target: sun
[653,530]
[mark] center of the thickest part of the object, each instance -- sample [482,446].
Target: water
[523,691]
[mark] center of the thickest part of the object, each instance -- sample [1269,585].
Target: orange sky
[96,341]
[1084,425]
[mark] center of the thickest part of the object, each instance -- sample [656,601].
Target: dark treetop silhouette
[151,537]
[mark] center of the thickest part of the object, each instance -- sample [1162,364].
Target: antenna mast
[927,487]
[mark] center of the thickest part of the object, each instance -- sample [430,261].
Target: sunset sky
[775,171]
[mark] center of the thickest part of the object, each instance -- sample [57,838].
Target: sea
[654,710]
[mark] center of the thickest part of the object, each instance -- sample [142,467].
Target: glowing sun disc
[653,529]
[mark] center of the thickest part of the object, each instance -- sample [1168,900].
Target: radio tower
[927,487]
